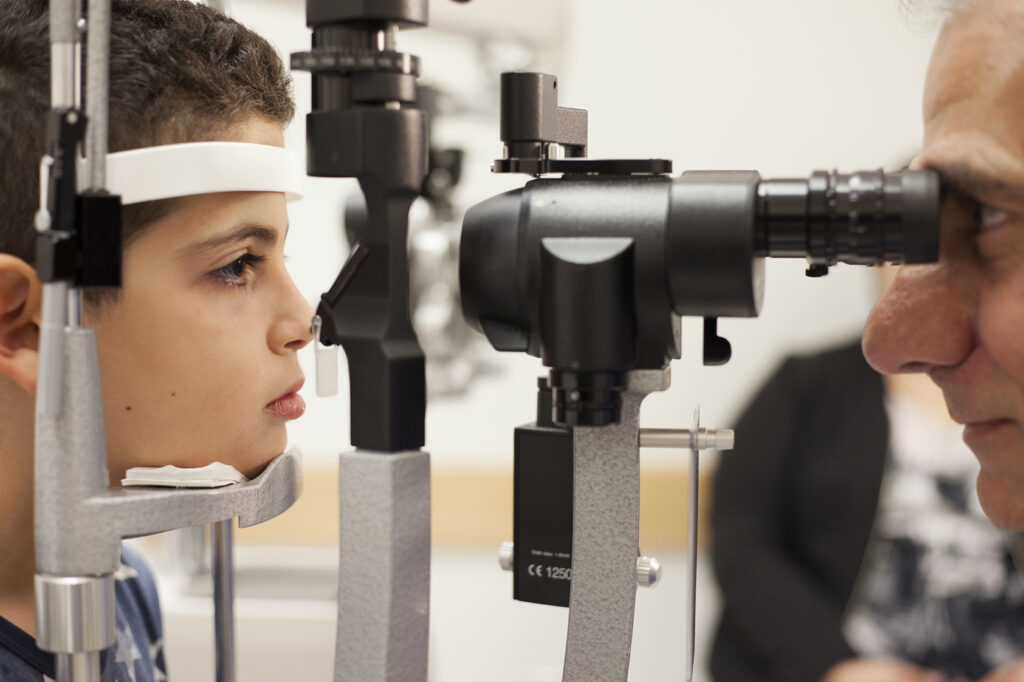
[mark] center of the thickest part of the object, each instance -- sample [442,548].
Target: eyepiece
[864,218]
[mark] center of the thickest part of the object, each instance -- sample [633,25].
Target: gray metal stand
[606,538]
[222,534]
[384,571]
[80,667]
[79,521]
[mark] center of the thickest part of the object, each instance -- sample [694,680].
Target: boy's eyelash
[239,271]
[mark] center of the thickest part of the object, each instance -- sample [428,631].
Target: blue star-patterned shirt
[137,654]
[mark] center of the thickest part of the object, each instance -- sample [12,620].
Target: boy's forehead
[207,221]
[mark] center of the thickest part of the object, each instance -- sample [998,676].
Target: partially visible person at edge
[845,525]
[961,320]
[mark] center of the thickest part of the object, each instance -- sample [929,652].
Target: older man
[961,320]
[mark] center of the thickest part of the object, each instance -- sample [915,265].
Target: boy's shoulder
[20,659]
[137,654]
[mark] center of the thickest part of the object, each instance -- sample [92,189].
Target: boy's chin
[253,463]
[1001,504]
[254,471]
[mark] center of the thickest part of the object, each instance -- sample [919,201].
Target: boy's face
[203,338]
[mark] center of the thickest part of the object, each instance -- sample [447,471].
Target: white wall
[781,86]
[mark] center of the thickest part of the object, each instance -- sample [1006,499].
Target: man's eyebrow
[972,181]
[261,233]
[981,185]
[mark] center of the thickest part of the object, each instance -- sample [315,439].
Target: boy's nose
[291,330]
[922,321]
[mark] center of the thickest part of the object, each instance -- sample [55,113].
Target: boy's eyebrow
[261,233]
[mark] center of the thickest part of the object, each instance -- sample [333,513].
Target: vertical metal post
[64,16]
[691,553]
[224,598]
[80,667]
[72,666]
[97,85]
[606,538]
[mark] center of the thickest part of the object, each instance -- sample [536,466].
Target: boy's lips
[290,405]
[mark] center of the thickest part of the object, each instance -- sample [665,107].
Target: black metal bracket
[536,131]
[366,124]
[79,238]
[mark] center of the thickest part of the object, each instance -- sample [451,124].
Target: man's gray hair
[945,8]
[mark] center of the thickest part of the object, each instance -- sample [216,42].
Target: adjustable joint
[79,238]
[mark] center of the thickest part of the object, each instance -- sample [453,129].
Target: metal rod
[706,439]
[691,552]
[79,667]
[664,438]
[62,81]
[51,349]
[97,86]
[74,307]
[224,598]
[63,36]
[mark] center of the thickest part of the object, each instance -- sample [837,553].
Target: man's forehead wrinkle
[962,77]
[1010,102]
[978,53]
[974,103]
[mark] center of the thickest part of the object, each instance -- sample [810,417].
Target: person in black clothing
[793,508]
[848,540]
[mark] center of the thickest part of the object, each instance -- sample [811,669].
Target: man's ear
[20,310]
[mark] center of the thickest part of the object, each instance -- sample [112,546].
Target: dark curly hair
[179,72]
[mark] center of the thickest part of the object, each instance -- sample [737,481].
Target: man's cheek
[1000,329]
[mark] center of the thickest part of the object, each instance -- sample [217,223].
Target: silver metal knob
[505,554]
[648,571]
[698,438]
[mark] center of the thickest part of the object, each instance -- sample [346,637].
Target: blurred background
[784,87]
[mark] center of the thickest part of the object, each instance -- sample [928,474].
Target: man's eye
[990,217]
[239,271]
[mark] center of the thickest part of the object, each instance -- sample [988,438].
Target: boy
[197,350]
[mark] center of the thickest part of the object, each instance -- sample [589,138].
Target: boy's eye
[239,271]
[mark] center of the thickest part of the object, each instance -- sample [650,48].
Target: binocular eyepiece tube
[692,245]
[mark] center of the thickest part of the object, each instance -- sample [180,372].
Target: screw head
[43,220]
[506,553]
[648,571]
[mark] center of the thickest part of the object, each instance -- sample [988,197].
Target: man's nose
[922,321]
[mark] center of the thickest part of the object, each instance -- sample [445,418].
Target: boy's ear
[20,309]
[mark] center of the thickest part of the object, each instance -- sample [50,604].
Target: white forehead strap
[180,170]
